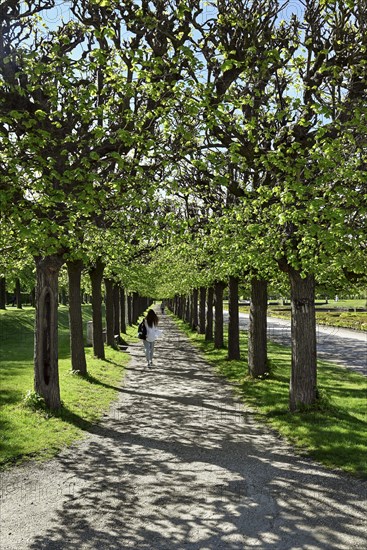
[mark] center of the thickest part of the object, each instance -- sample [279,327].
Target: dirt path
[179,464]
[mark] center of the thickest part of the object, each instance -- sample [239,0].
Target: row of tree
[181,146]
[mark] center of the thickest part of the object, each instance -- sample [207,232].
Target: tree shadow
[142,491]
[178,464]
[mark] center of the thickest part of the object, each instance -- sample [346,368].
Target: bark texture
[130,309]
[218,328]
[135,307]
[303,383]
[46,369]
[110,325]
[96,276]
[209,315]
[233,320]
[194,309]
[116,309]
[257,343]
[122,310]
[78,361]
[188,301]
[202,298]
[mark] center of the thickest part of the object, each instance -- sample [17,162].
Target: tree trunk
[32,297]
[129,309]
[209,315]
[257,338]
[303,384]
[110,340]
[233,321]
[183,308]
[18,294]
[2,293]
[96,276]
[122,310]
[188,309]
[46,369]
[180,307]
[78,361]
[116,309]
[218,327]
[194,309]
[135,308]
[202,304]
[63,297]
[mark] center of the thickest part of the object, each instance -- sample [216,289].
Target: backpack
[142,331]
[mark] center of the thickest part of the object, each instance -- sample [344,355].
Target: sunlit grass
[334,432]
[38,434]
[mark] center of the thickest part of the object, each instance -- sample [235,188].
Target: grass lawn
[27,433]
[334,434]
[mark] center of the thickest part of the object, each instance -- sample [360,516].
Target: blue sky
[61,11]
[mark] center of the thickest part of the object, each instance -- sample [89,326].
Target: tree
[233,321]
[333,99]
[279,140]
[66,152]
[241,50]
[218,327]
[46,373]
[78,360]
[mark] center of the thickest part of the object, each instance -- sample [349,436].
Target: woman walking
[151,323]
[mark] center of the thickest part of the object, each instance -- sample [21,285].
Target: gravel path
[178,463]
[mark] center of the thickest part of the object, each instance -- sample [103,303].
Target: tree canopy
[178,143]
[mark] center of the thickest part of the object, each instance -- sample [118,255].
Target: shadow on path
[177,464]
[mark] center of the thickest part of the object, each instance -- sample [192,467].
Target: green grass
[345,319]
[334,433]
[37,434]
[342,304]
[132,331]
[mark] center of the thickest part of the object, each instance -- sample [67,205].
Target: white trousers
[149,349]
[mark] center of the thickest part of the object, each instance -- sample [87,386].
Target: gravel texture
[178,463]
